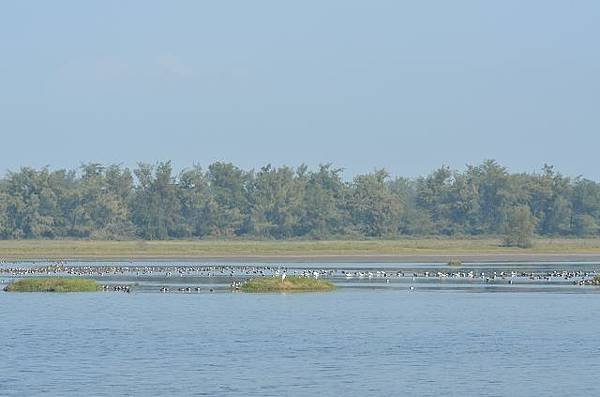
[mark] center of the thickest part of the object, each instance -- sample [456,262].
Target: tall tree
[375,210]
[520,226]
[276,197]
[195,201]
[324,212]
[107,202]
[155,205]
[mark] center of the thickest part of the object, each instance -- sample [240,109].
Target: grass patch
[53,284]
[223,249]
[290,284]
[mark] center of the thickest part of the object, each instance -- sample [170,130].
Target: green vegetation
[290,284]
[52,284]
[224,201]
[520,227]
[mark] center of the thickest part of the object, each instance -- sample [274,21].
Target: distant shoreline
[368,251]
[466,258]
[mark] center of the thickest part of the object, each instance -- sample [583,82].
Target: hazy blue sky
[403,85]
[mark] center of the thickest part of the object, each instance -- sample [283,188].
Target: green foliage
[290,284]
[585,225]
[276,202]
[154,203]
[52,284]
[323,213]
[375,210]
[519,228]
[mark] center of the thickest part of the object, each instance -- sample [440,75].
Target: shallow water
[444,338]
[217,277]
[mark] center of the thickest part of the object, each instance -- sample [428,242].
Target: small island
[289,284]
[53,284]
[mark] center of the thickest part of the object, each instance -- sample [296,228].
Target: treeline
[151,202]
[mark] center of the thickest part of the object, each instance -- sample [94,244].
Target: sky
[405,86]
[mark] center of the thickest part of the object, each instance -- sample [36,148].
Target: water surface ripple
[355,341]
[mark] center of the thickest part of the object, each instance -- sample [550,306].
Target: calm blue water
[349,342]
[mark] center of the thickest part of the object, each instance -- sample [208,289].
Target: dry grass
[184,249]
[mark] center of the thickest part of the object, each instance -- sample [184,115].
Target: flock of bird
[472,274]
[236,274]
[117,287]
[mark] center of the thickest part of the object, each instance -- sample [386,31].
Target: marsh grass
[92,249]
[290,284]
[52,284]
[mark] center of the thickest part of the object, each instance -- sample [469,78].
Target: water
[369,340]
